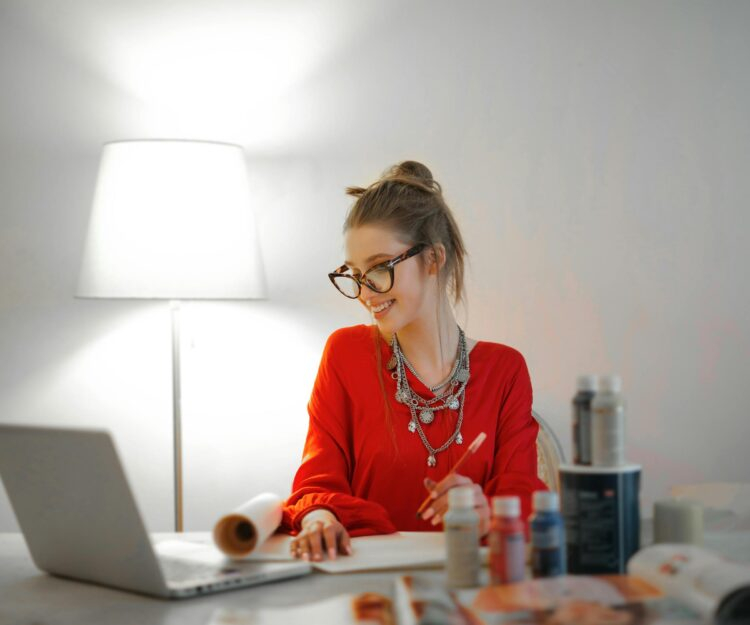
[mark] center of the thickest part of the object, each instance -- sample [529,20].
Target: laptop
[78,515]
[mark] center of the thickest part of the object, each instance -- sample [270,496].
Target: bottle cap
[461,497]
[610,383]
[587,382]
[545,501]
[506,506]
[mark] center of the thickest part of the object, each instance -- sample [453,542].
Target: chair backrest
[549,454]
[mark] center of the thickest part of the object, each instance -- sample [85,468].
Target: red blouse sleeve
[323,479]
[514,471]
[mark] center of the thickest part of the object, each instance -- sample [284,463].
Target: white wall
[596,156]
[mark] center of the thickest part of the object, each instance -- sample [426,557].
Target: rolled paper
[241,531]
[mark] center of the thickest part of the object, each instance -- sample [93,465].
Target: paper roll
[238,533]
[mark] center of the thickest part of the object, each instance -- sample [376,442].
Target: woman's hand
[439,505]
[321,534]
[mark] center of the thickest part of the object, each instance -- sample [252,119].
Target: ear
[436,258]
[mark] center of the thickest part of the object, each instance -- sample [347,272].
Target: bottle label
[546,538]
[462,550]
[548,562]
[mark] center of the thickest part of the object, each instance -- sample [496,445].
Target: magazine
[564,600]
[716,588]
[669,584]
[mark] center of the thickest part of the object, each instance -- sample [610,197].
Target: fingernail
[306,557]
[317,557]
[349,550]
[332,553]
[434,494]
[427,514]
[436,519]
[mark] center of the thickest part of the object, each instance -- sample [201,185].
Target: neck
[430,342]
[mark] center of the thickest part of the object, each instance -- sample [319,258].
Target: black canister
[601,512]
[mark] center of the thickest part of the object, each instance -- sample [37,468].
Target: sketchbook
[248,534]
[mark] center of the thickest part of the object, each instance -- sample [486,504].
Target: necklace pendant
[431,462]
[391,363]
[459,439]
[402,396]
[412,426]
[462,375]
[426,417]
[453,403]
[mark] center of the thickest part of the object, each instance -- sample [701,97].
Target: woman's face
[413,291]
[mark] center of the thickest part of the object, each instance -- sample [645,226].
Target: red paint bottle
[507,541]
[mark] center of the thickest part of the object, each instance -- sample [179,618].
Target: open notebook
[403,550]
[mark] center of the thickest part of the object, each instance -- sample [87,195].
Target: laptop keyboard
[185,571]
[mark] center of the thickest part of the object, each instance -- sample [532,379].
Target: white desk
[31,597]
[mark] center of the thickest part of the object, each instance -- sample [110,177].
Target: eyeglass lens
[377,279]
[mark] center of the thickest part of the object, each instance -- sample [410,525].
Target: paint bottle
[608,423]
[461,524]
[507,541]
[586,387]
[547,536]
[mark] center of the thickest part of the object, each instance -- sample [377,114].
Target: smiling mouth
[383,306]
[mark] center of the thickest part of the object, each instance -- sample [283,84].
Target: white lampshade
[172,219]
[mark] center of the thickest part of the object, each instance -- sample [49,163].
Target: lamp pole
[174,306]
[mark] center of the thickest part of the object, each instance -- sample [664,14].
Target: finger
[451,481]
[294,547]
[345,543]
[430,485]
[329,535]
[316,542]
[303,548]
[439,506]
[480,499]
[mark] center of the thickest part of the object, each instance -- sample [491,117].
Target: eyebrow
[369,260]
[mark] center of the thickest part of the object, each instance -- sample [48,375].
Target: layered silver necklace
[423,410]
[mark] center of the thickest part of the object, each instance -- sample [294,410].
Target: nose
[366,294]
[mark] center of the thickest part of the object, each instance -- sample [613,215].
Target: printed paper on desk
[363,609]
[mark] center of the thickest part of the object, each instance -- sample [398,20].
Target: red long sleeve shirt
[368,469]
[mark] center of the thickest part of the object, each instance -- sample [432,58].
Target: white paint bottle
[461,524]
[608,423]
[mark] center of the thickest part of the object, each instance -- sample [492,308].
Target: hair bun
[413,174]
[413,169]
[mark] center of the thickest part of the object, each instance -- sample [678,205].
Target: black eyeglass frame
[389,264]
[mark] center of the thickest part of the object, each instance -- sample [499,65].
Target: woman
[396,403]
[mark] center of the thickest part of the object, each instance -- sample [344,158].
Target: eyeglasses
[378,278]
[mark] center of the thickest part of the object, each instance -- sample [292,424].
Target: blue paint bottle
[547,536]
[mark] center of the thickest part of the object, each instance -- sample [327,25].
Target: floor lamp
[173,220]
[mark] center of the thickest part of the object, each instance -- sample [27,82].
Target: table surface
[31,597]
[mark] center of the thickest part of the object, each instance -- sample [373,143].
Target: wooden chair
[549,454]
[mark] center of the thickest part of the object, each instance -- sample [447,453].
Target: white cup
[678,521]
